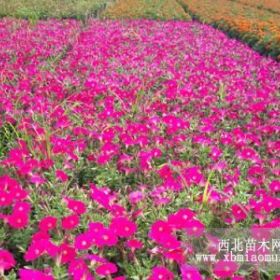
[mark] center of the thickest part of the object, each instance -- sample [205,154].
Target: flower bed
[257,27]
[122,142]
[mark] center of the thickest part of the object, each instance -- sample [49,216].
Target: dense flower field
[244,19]
[122,142]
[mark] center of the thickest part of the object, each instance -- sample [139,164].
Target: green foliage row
[42,9]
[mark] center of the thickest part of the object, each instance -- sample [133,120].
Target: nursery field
[245,20]
[151,9]
[124,143]
[40,9]
[255,22]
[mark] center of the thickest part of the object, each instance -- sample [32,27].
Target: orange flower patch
[259,27]
[156,9]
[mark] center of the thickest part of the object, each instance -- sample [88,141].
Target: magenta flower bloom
[78,269]
[18,220]
[158,229]
[78,207]
[238,213]
[48,223]
[275,186]
[176,255]
[123,227]
[161,273]
[134,244]
[5,199]
[225,269]
[65,253]
[70,222]
[27,274]
[189,272]
[136,196]
[83,241]
[194,228]
[107,237]
[181,218]
[106,269]
[7,260]
[61,175]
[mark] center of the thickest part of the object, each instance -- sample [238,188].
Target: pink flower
[194,228]
[78,270]
[70,222]
[40,235]
[106,269]
[189,272]
[66,253]
[107,237]
[61,175]
[158,229]
[5,199]
[238,213]
[18,220]
[180,218]
[161,273]
[176,255]
[136,196]
[275,186]
[193,176]
[35,250]
[96,227]
[134,244]
[28,274]
[22,206]
[168,241]
[77,206]
[248,154]
[47,223]
[123,227]
[225,269]
[7,261]
[83,241]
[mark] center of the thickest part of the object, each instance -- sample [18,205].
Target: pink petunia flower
[106,269]
[70,222]
[18,220]
[47,223]
[189,272]
[7,261]
[225,269]
[77,206]
[134,244]
[161,273]
[194,228]
[123,227]
[27,274]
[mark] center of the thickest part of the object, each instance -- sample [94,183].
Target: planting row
[259,28]
[38,9]
[156,9]
[271,5]
[122,142]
